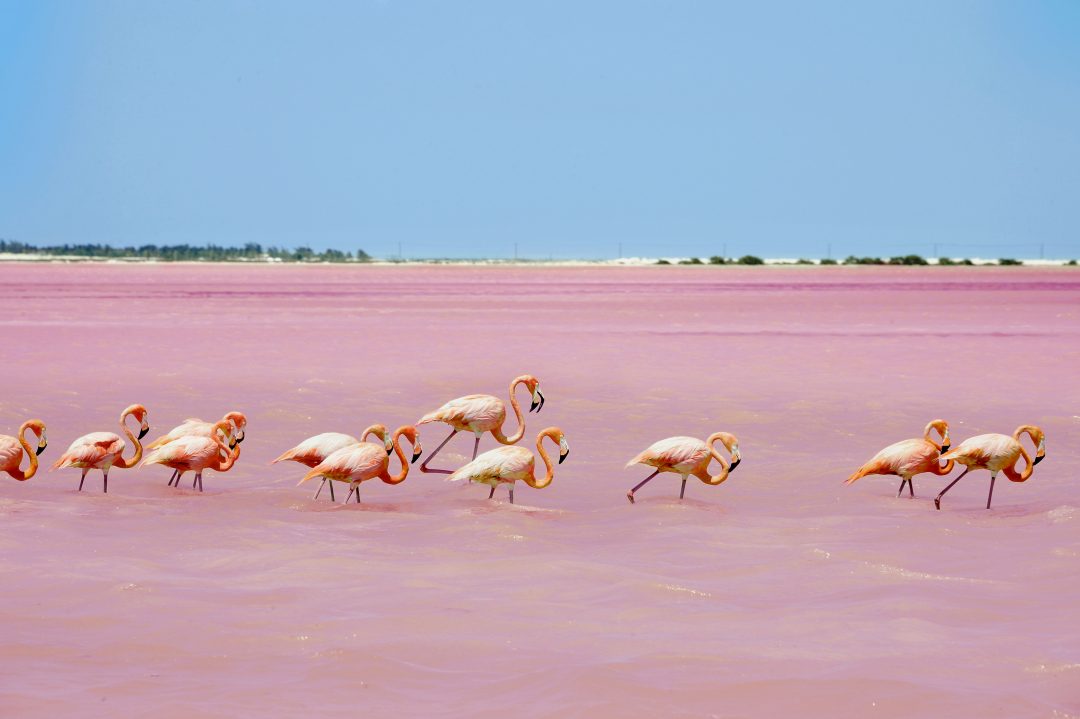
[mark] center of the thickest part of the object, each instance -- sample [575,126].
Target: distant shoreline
[29,258]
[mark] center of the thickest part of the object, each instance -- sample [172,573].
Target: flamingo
[366,460]
[686,456]
[997,453]
[195,427]
[313,450]
[11,450]
[479,413]
[506,465]
[102,450]
[198,453]
[910,457]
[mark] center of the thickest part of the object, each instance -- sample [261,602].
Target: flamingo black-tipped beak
[734,464]
[143,431]
[945,448]
[563,456]
[534,405]
[41,448]
[241,438]
[541,396]
[1038,459]
[233,443]
[416,456]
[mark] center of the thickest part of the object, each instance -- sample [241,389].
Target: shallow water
[781,591]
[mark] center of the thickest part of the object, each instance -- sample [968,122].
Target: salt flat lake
[780,592]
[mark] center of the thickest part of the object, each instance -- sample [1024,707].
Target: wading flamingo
[11,450]
[685,456]
[366,460]
[314,450]
[479,413]
[506,465]
[910,457]
[996,453]
[102,450]
[198,453]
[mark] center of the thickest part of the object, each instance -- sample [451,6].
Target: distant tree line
[850,260]
[251,251]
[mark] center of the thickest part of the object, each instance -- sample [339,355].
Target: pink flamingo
[195,427]
[996,453]
[686,456]
[479,413]
[103,450]
[506,465]
[366,460]
[11,450]
[910,457]
[198,453]
[314,450]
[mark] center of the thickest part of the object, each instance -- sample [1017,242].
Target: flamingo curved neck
[32,469]
[549,475]
[498,431]
[724,467]
[137,457]
[1029,467]
[400,476]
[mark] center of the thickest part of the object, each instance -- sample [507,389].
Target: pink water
[781,592]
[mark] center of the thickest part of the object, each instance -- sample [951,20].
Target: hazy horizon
[780,130]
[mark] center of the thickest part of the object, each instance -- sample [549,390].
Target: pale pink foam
[780,592]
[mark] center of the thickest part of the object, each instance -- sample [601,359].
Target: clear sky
[461,128]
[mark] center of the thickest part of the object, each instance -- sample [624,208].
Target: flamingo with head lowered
[314,450]
[685,456]
[506,465]
[910,457]
[198,453]
[12,448]
[195,427]
[366,460]
[104,450]
[996,453]
[480,413]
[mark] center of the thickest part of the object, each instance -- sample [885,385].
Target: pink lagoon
[781,592]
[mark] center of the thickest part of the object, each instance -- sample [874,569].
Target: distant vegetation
[1009,261]
[750,260]
[252,251]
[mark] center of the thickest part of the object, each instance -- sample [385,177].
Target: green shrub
[828,261]
[662,262]
[717,260]
[966,261]
[751,260]
[1071,263]
[692,261]
[803,261]
[853,260]
[1008,261]
[945,261]
[908,260]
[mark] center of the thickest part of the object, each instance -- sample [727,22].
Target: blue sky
[569,128]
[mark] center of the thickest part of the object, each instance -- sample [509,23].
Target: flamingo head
[138,412]
[534,388]
[238,421]
[380,431]
[410,432]
[1039,439]
[731,444]
[38,428]
[942,428]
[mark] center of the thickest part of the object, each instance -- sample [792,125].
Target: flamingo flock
[197,445]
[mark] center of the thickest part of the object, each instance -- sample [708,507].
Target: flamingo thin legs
[630,494]
[937,499]
[424,465]
[82,479]
[319,490]
[993,478]
[911,489]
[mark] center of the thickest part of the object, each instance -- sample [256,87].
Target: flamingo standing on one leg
[506,465]
[686,456]
[195,427]
[198,453]
[12,448]
[479,413]
[366,460]
[314,450]
[996,453]
[103,450]
[910,457]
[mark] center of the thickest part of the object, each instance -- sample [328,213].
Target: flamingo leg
[332,498]
[105,486]
[319,490]
[492,492]
[198,476]
[937,499]
[475,447]
[910,488]
[683,490]
[630,494]
[82,479]
[175,474]
[351,490]
[990,496]
[358,494]
[195,480]
[511,494]
[424,465]
[901,490]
